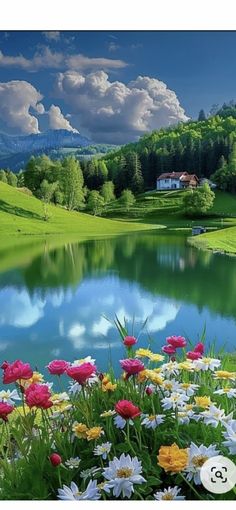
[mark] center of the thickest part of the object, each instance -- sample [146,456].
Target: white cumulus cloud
[58,121]
[116,112]
[17,99]
[52,35]
[45,58]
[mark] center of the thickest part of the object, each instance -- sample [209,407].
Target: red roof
[172,175]
[183,176]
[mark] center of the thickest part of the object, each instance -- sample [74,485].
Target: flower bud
[55,459]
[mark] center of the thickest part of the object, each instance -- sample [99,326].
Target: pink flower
[5,409]
[82,372]
[57,366]
[38,395]
[168,349]
[55,459]
[15,371]
[129,341]
[199,348]
[193,355]
[176,341]
[127,409]
[149,390]
[132,366]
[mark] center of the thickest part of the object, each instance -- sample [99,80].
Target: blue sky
[111,86]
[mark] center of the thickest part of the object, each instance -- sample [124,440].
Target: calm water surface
[53,301]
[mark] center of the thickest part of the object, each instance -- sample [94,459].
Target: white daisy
[170,368]
[103,450]
[79,362]
[170,494]
[9,397]
[230,436]
[170,386]
[122,474]
[229,392]
[151,421]
[206,363]
[188,388]
[214,415]
[121,422]
[185,415]
[87,473]
[198,455]
[175,400]
[72,493]
[73,462]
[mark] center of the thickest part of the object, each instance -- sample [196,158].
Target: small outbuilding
[198,230]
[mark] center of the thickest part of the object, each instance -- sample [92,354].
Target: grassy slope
[23,214]
[222,240]
[165,208]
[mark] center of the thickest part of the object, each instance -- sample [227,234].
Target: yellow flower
[189,407]
[142,376]
[109,387]
[203,401]
[80,430]
[186,365]
[106,414]
[94,433]
[224,374]
[105,380]
[143,353]
[36,378]
[156,357]
[154,377]
[172,458]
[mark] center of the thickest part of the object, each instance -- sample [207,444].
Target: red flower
[176,341]
[16,370]
[5,365]
[82,372]
[193,355]
[55,459]
[199,348]
[168,349]
[5,409]
[127,409]
[129,341]
[38,395]
[148,390]
[132,366]
[57,366]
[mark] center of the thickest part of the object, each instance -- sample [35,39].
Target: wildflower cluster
[143,435]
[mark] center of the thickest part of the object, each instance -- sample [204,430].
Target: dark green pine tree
[137,182]
[201,116]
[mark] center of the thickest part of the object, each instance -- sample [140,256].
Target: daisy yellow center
[167,497]
[186,385]
[202,401]
[5,394]
[124,472]
[152,417]
[199,460]
[174,399]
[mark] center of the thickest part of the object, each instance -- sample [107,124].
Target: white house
[177,180]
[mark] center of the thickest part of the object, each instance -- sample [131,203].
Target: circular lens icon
[218,474]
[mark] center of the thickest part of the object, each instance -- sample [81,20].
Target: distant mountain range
[15,150]
[52,139]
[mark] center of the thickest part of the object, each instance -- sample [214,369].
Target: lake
[54,300]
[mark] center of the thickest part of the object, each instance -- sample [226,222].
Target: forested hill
[195,147]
